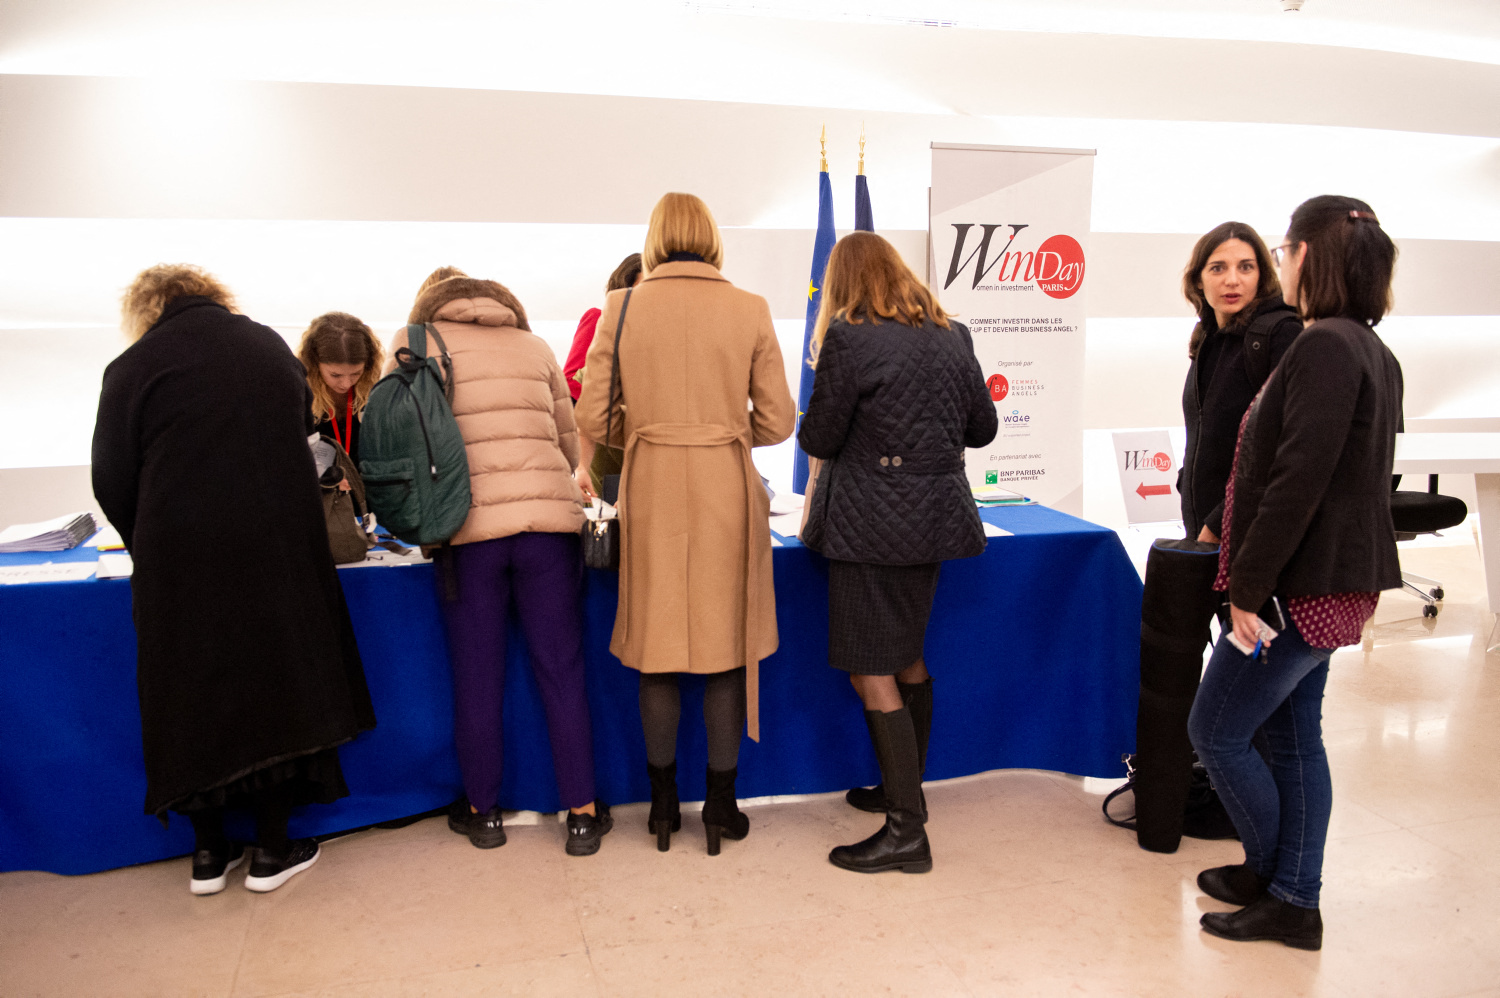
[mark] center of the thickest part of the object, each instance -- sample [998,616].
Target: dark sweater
[1312,506]
[1215,396]
[892,410]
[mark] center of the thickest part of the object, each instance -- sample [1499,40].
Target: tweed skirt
[877,615]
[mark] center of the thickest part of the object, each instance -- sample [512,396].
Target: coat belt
[707,435]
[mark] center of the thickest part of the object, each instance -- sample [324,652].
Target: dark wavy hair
[625,274]
[1348,263]
[1269,286]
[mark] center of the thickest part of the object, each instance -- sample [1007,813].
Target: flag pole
[861,171]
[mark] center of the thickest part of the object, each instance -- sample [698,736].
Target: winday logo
[1056,266]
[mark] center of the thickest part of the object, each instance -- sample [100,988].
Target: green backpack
[411,451]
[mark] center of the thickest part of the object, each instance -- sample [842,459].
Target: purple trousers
[544,574]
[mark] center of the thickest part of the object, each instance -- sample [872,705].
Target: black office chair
[1414,513]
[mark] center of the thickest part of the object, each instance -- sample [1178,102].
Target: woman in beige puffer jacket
[520,541]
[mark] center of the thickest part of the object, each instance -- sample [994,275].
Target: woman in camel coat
[701,382]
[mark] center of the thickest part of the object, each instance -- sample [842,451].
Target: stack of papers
[994,495]
[51,535]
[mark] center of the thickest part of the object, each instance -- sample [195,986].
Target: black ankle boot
[1269,918]
[721,812]
[666,812]
[902,843]
[918,700]
[1236,884]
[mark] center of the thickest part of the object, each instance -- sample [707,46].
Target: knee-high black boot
[722,816]
[901,844]
[918,700]
[666,812]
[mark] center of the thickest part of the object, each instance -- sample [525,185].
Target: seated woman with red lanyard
[343,360]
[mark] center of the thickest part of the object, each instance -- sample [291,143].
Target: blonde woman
[701,382]
[342,358]
[249,678]
[898,396]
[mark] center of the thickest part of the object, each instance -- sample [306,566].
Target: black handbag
[601,537]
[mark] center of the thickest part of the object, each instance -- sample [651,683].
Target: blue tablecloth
[1033,646]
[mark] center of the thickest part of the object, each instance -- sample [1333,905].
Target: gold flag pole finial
[861,148]
[823,148]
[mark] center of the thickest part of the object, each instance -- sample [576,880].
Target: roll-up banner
[1008,233]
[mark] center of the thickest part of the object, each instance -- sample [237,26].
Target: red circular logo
[1163,462]
[999,387]
[1059,266]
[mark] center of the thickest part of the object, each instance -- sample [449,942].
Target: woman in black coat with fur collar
[898,396]
[248,672]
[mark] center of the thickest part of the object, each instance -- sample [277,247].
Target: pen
[1258,645]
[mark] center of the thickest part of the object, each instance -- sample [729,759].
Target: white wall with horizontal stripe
[327,156]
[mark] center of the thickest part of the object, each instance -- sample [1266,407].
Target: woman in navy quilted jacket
[898,396]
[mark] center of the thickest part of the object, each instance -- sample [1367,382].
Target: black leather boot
[1236,884]
[1269,918]
[666,812]
[918,700]
[901,844]
[722,816]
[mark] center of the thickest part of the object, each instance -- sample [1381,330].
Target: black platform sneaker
[211,869]
[586,830]
[267,874]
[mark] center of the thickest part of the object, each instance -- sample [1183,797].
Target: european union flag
[822,246]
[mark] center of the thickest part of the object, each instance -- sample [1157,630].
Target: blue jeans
[1281,810]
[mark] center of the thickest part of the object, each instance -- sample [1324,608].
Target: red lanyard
[348,421]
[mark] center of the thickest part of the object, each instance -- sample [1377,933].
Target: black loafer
[585,831]
[1236,884]
[1270,918]
[211,868]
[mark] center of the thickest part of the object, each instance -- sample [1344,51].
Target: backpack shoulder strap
[416,339]
[446,360]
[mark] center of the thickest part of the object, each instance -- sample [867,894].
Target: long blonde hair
[339,338]
[866,281]
[154,288]
[682,223]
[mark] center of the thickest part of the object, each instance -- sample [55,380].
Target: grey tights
[723,716]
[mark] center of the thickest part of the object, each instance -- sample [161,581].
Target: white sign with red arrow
[1148,476]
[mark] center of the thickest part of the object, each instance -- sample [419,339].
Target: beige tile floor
[1032,893]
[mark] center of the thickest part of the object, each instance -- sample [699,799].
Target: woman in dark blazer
[248,671]
[1307,547]
[898,396]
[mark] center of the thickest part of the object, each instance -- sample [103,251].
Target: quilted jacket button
[896,461]
[884,461]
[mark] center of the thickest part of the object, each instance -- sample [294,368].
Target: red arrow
[1143,490]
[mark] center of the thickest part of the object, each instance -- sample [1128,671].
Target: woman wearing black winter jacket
[898,396]
[1243,329]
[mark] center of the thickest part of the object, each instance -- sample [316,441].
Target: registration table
[1033,646]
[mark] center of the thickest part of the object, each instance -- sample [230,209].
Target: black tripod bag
[1178,604]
